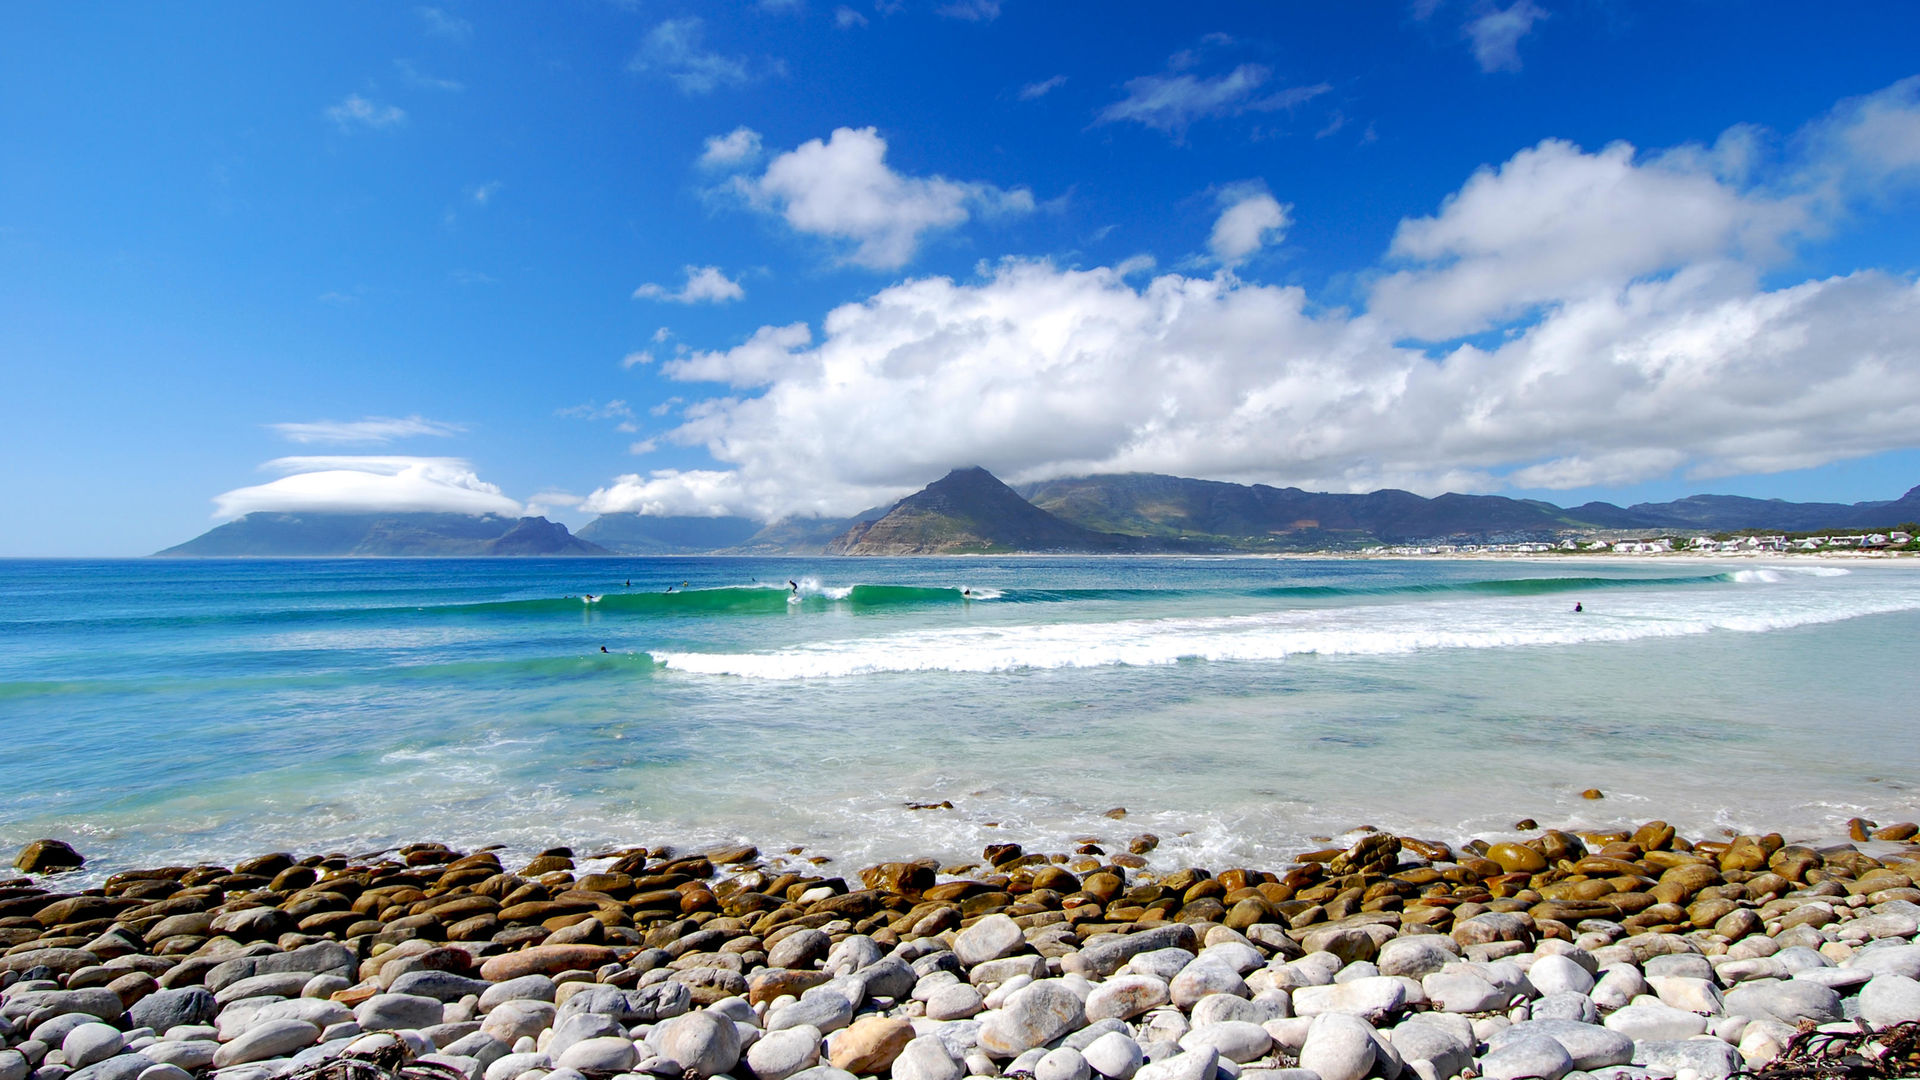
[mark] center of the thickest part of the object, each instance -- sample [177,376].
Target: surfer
[1577,607]
[966,591]
[794,585]
[603,648]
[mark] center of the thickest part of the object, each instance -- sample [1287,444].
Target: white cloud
[846,18]
[1641,336]
[617,409]
[421,79]
[1555,222]
[971,10]
[735,148]
[637,358]
[373,429]
[844,190]
[482,194]
[1250,219]
[1041,89]
[705,285]
[442,24]
[1172,102]
[546,503]
[676,50]
[351,484]
[1495,33]
[355,112]
[661,335]
[1038,371]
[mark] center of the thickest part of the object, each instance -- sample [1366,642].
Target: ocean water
[175,710]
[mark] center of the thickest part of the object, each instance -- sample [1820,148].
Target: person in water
[1577,607]
[794,585]
[603,648]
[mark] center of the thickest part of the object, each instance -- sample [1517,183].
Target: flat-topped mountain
[969,512]
[320,535]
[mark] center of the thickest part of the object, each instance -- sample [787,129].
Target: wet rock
[47,857]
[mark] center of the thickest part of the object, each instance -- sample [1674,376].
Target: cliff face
[970,512]
[279,536]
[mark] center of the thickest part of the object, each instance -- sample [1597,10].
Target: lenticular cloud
[356,484]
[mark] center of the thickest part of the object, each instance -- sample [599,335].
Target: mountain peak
[970,511]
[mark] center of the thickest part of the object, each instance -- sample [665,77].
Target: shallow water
[171,710]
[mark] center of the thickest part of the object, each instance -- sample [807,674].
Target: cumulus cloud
[1172,102]
[1038,371]
[1495,33]
[1556,222]
[356,484]
[676,50]
[705,285]
[1249,220]
[735,148]
[355,113]
[373,429]
[844,190]
[1641,335]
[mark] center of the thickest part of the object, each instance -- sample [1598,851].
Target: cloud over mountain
[368,484]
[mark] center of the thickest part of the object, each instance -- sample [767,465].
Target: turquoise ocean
[175,710]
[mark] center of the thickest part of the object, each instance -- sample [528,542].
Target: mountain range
[971,511]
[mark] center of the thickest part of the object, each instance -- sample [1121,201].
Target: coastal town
[1872,544]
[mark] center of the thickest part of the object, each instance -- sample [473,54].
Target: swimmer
[1577,607]
[603,648]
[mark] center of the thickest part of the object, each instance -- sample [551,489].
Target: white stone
[1459,992]
[91,1043]
[605,1054]
[275,1038]
[1373,998]
[1886,999]
[1113,1055]
[1126,996]
[1654,1021]
[779,1054]
[1529,1055]
[1065,1063]
[953,1001]
[1692,994]
[1235,1040]
[1339,1046]
[1618,986]
[1203,977]
[1558,975]
[989,939]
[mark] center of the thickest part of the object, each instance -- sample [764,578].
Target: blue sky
[803,257]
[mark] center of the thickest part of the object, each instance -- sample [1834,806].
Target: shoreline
[1630,953]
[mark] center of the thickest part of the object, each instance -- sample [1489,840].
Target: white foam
[1275,636]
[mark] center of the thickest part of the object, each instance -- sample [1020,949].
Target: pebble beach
[1624,954]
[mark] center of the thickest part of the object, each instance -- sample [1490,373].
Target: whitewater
[1239,708]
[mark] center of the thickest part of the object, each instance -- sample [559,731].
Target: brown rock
[1905,830]
[48,857]
[868,1047]
[770,983]
[1593,793]
[545,960]
[1517,858]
